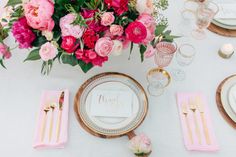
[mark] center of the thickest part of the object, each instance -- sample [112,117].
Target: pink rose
[67,27]
[104,46]
[116,30]
[4,51]
[107,19]
[140,144]
[39,14]
[150,51]
[48,51]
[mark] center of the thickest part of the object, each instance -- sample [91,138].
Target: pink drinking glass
[159,78]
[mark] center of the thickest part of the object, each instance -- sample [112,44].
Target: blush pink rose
[150,51]
[39,14]
[107,19]
[68,29]
[48,51]
[104,46]
[116,30]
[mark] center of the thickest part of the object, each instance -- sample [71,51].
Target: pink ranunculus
[39,14]
[48,51]
[136,32]
[107,18]
[4,51]
[150,51]
[116,30]
[67,27]
[104,46]
[23,33]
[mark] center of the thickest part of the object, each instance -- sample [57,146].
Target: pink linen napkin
[212,146]
[47,98]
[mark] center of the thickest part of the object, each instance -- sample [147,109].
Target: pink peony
[136,32]
[48,51]
[116,30]
[104,46]
[39,14]
[107,18]
[149,22]
[22,33]
[140,144]
[150,51]
[67,27]
[4,51]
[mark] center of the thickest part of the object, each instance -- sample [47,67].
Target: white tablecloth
[21,86]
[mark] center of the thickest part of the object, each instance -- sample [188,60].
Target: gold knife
[58,127]
[204,124]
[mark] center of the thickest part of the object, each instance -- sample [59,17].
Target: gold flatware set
[193,107]
[51,108]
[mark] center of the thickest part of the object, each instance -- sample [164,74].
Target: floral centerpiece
[82,32]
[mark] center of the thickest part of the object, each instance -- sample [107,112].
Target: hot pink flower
[68,29]
[22,33]
[136,32]
[120,6]
[89,56]
[4,51]
[39,14]
[69,44]
[48,51]
[104,46]
[149,22]
[116,30]
[107,18]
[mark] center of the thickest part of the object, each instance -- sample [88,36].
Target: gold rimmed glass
[159,78]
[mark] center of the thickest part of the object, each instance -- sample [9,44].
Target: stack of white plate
[228,97]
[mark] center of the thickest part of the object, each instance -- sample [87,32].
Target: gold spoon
[46,109]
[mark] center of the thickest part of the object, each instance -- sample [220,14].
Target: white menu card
[111,103]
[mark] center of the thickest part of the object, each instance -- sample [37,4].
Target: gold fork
[44,122]
[202,113]
[193,108]
[185,113]
[52,107]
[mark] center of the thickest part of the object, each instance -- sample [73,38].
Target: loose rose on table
[83,32]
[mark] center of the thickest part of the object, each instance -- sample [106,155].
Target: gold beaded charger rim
[82,119]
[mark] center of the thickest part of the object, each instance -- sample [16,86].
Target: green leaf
[85,67]
[131,49]
[13,2]
[1,63]
[160,29]
[33,55]
[39,41]
[142,51]
[69,59]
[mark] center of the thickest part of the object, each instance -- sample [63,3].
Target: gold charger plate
[222,31]
[220,105]
[81,105]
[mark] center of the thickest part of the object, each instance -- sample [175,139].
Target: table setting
[117,78]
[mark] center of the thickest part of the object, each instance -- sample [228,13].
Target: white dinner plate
[232,100]
[111,126]
[225,97]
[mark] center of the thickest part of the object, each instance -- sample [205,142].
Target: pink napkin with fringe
[199,140]
[40,141]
